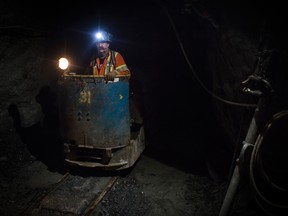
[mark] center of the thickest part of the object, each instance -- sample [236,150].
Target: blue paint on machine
[95,122]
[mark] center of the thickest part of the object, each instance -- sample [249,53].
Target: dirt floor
[154,186]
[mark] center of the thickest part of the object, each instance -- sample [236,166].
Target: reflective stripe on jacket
[109,64]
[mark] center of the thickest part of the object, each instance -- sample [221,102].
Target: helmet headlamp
[102,36]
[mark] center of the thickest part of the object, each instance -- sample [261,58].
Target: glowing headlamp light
[99,36]
[102,36]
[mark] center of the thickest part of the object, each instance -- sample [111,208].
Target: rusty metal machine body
[95,122]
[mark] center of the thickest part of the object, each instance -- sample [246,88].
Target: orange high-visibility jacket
[112,61]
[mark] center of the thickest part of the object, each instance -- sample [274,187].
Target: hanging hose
[268,166]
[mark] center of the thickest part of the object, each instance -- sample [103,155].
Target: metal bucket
[94,113]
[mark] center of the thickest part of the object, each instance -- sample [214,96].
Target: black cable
[256,165]
[193,71]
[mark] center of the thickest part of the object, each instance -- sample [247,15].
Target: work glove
[111,75]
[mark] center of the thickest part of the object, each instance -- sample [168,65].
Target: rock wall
[22,69]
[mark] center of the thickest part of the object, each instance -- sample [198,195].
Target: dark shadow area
[51,151]
[189,137]
[42,139]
